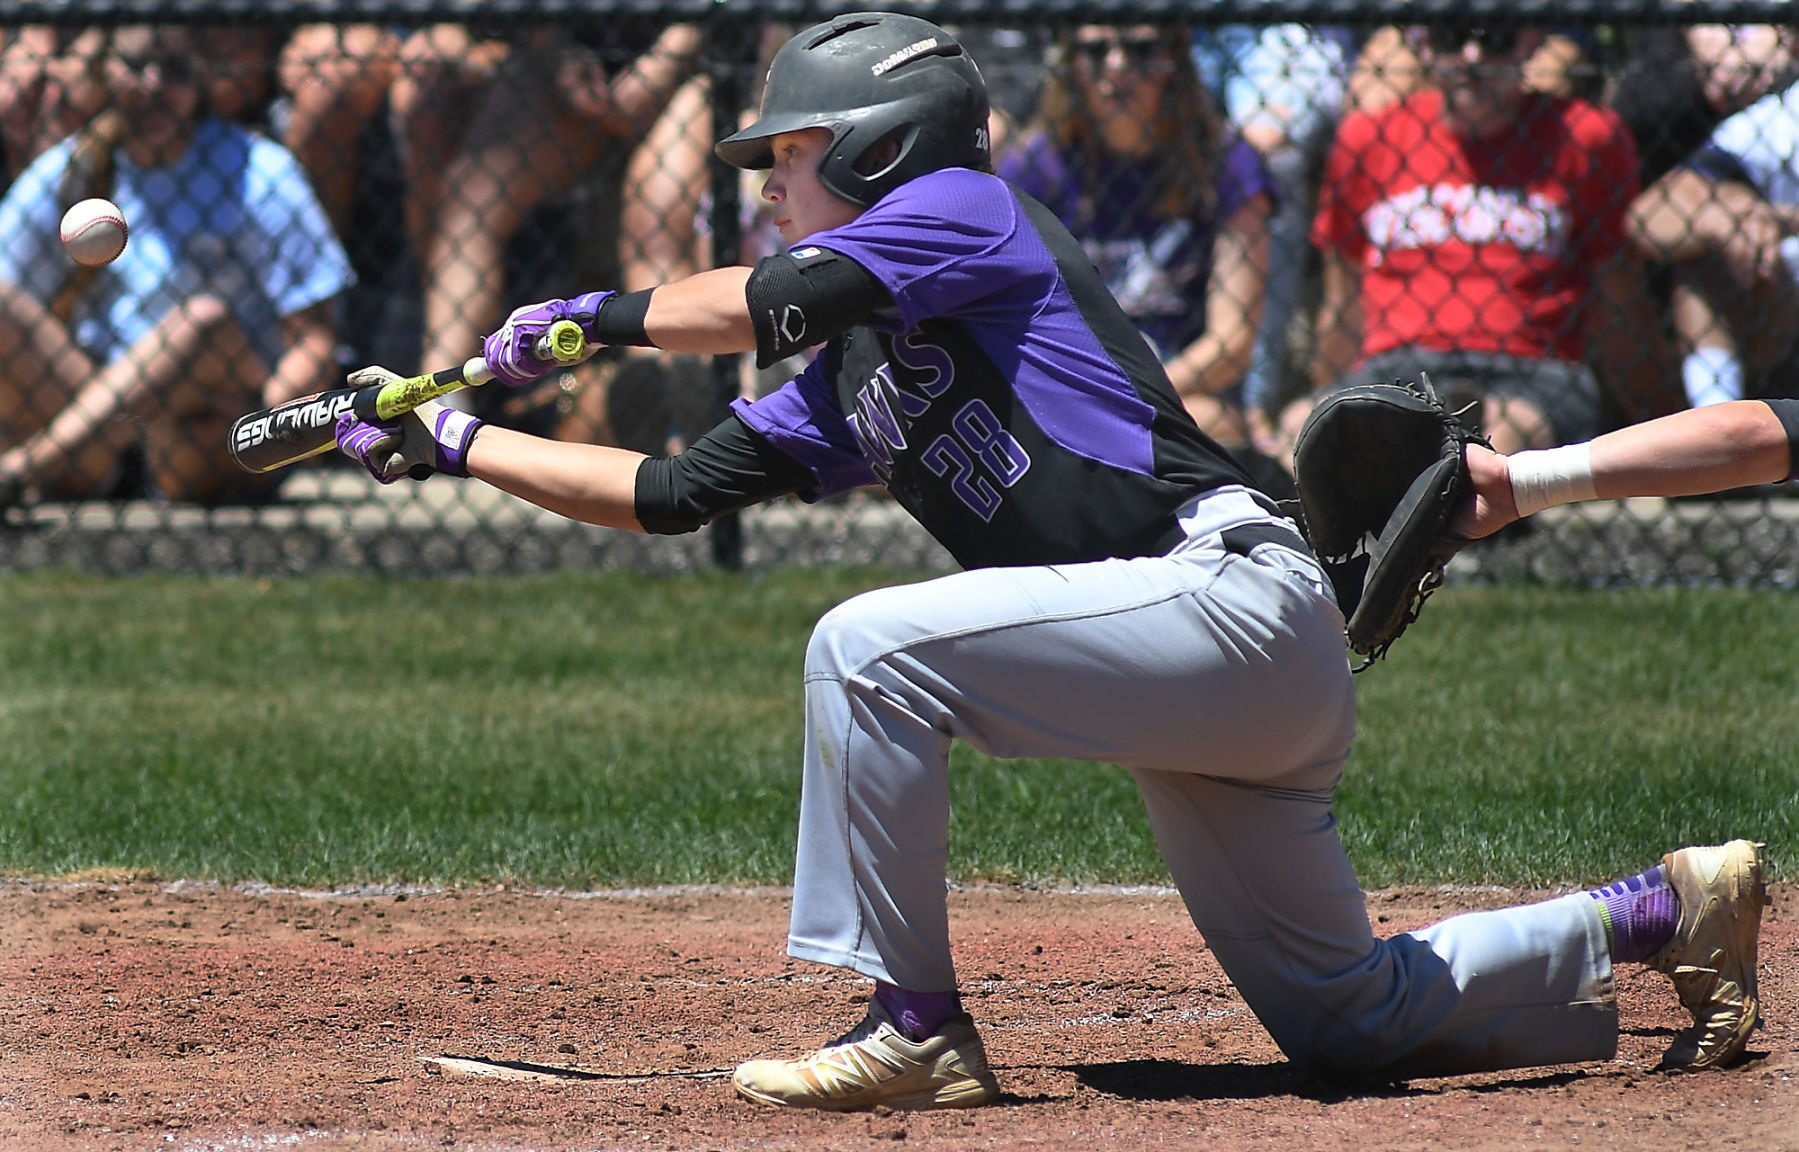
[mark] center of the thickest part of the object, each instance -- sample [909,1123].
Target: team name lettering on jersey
[930,372]
[874,425]
[1430,215]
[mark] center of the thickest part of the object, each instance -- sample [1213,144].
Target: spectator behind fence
[657,402]
[1678,84]
[1281,88]
[50,85]
[1474,231]
[1388,67]
[316,89]
[488,129]
[1727,218]
[1129,153]
[219,305]
[1704,215]
[335,79]
[332,83]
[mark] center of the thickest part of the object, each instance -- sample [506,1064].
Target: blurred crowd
[1568,229]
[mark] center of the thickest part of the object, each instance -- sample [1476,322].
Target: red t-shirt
[1486,246]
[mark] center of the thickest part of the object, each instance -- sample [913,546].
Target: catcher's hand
[1381,474]
[1494,505]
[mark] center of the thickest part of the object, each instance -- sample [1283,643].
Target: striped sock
[918,1014]
[1640,914]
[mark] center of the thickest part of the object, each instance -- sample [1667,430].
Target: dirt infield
[143,1015]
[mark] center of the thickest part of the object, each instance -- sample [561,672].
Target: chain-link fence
[1571,215]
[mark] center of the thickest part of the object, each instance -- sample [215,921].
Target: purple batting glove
[438,437]
[374,446]
[431,438]
[510,351]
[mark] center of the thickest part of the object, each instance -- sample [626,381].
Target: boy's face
[801,206]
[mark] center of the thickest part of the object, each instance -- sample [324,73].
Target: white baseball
[94,232]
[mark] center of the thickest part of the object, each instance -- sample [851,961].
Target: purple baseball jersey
[1006,401]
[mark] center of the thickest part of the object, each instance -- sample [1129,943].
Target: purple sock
[1640,914]
[918,1014]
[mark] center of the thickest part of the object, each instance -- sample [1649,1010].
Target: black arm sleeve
[806,296]
[729,468]
[1787,412]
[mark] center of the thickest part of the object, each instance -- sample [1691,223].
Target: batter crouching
[1129,597]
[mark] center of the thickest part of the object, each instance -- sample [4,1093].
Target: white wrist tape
[1550,476]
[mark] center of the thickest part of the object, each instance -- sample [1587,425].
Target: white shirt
[235,215]
[1765,137]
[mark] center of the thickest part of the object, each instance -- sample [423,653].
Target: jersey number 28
[977,447]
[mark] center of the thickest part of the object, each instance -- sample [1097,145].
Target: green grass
[613,729]
[1534,736]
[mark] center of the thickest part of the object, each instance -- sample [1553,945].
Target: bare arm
[1339,335]
[1689,453]
[705,315]
[588,482]
[627,104]
[50,86]
[1219,358]
[659,235]
[1741,64]
[1624,332]
[1685,216]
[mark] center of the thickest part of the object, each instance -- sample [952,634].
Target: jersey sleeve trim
[802,419]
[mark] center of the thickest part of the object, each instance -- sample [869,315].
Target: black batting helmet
[871,77]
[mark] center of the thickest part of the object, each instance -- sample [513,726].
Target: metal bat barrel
[305,427]
[288,433]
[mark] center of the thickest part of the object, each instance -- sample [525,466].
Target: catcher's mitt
[1380,473]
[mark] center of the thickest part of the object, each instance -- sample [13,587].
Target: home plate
[525,1070]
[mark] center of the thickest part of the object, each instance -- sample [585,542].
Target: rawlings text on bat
[287,433]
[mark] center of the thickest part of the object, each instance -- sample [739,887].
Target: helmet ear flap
[882,156]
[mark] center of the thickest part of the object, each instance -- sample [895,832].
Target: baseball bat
[307,426]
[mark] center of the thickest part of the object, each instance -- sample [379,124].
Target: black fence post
[730,50]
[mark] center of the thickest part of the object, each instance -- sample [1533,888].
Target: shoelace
[865,1028]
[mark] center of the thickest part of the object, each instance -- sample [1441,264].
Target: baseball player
[1128,596]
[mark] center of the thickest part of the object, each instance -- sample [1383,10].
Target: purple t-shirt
[1003,399]
[1156,266]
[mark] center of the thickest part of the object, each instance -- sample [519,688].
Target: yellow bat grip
[568,343]
[564,343]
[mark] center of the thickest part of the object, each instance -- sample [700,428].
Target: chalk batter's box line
[526,1070]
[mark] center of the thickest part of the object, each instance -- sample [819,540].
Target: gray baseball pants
[1218,677]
